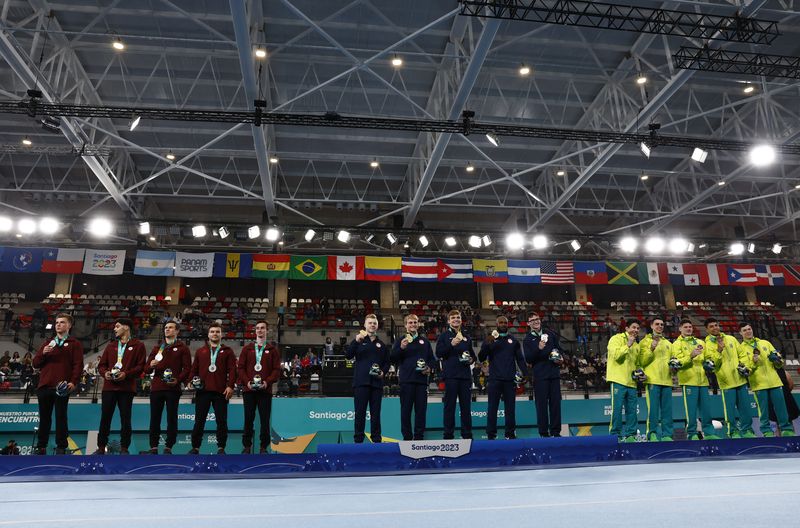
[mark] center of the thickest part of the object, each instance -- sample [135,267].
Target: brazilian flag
[308,268]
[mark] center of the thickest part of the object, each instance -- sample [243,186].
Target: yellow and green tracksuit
[655,362]
[622,361]
[694,384]
[766,384]
[734,386]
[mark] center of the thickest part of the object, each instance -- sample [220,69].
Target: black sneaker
[101,450]
[247,451]
[221,451]
[193,451]
[60,451]
[511,436]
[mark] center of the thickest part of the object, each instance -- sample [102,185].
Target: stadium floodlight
[100,227]
[641,78]
[423,240]
[253,232]
[199,231]
[135,123]
[144,228]
[391,238]
[690,247]
[49,225]
[343,236]
[6,223]
[628,244]
[678,245]
[450,241]
[309,236]
[487,240]
[762,155]
[645,149]
[777,248]
[575,245]
[223,232]
[737,248]
[474,241]
[397,61]
[261,52]
[751,248]
[539,242]
[654,245]
[699,154]
[492,138]
[26,226]
[515,241]
[273,234]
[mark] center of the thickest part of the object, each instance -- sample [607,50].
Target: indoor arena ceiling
[336,56]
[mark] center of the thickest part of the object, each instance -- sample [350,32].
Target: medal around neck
[258,367]
[159,356]
[674,363]
[495,334]
[212,368]
[52,343]
[543,338]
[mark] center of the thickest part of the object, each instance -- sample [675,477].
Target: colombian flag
[383,269]
[271,266]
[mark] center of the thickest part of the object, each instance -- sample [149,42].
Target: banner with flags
[420,269]
[233,265]
[485,270]
[270,266]
[622,273]
[345,268]
[524,271]
[154,263]
[308,268]
[557,272]
[21,260]
[454,270]
[590,273]
[56,260]
[383,269]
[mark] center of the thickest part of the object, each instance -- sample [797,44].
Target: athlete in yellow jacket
[656,351]
[623,360]
[689,353]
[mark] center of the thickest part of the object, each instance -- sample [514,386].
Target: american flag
[557,273]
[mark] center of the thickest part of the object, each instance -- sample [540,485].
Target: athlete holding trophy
[258,368]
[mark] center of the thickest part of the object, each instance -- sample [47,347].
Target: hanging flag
[63,260]
[772,274]
[345,268]
[652,273]
[744,275]
[717,274]
[194,264]
[21,260]
[308,268]
[688,274]
[420,269]
[590,273]
[271,266]
[485,270]
[622,273]
[791,275]
[454,270]
[104,262]
[557,272]
[383,269]
[233,265]
[155,263]
[526,271]
[675,272]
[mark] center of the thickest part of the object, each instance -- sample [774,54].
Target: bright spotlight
[492,138]
[777,248]
[450,241]
[762,155]
[144,228]
[515,241]
[678,246]
[118,45]
[26,226]
[628,244]
[309,236]
[48,225]
[343,236]
[645,149]
[397,61]
[135,123]
[751,248]
[524,70]
[224,232]
[474,241]
[487,240]
[6,223]
[253,232]
[391,238]
[575,245]
[261,52]
[199,231]
[641,78]
[100,227]
[737,248]
[539,242]
[654,245]
[699,154]
[273,234]
[423,240]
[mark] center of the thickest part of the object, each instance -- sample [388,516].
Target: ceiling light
[397,61]
[628,244]
[373,164]
[524,70]
[309,236]
[492,138]
[144,228]
[515,241]
[678,246]
[699,154]
[199,231]
[152,239]
[645,149]
[273,160]
[118,45]
[561,172]
[26,226]
[273,234]
[575,245]
[51,124]
[751,248]
[223,232]
[280,243]
[721,183]
[6,223]
[100,227]
[135,122]
[737,248]
[470,168]
[474,241]
[777,248]
[391,238]
[27,141]
[539,242]
[690,247]
[261,52]
[423,240]
[170,155]
[253,232]
[654,245]
[762,155]
[749,88]
[644,177]
[487,240]
[641,78]
[49,225]
[450,241]
[343,236]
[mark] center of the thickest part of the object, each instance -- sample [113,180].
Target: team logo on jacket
[378,345]
[510,340]
[421,342]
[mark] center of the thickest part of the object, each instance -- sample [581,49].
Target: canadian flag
[345,268]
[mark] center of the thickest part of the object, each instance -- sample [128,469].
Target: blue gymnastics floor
[703,493]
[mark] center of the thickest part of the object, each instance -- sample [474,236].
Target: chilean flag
[56,260]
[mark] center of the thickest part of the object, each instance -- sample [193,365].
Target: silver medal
[258,367]
[212,368]
[159,356]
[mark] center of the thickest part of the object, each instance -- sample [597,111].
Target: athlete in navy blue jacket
[504,354]
[454,351]
[538,346]
[413,355]
[371,365]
